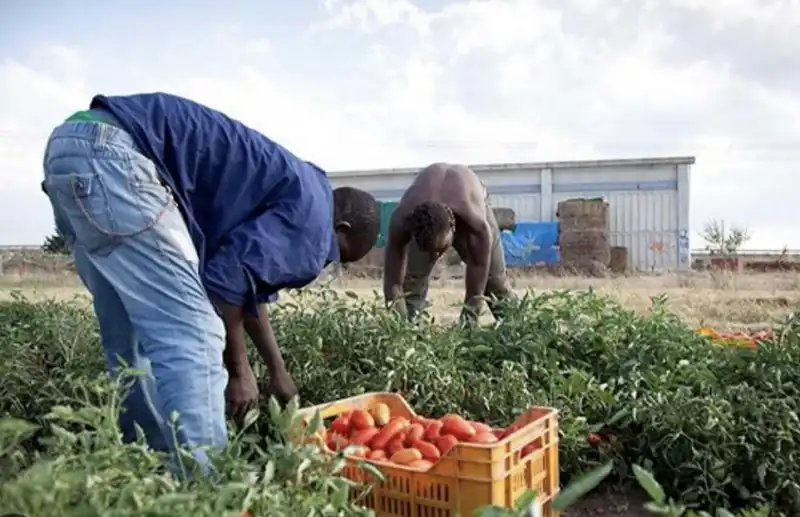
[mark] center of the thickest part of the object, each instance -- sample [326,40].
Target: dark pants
[420,265]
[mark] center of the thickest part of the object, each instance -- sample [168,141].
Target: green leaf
[522,502]
[373,469]
[17,428]
[619,415]
[63,434]
[268,472]
[493,511]
[581,486]
[340,494]
[251,418]
[316,422]
[649,484]
[658,508]
[722,512]
[338,464]
[274,411]
[293,406]
[176,498]
[301,468]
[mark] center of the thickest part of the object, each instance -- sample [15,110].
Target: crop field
[634,384]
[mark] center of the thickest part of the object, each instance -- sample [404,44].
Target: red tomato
[414,432]
[479,427]
[456,426]
[361,419]
[445,443]
[341,425]
[433,431]
[594,439]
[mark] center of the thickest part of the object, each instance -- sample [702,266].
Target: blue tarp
[531,244]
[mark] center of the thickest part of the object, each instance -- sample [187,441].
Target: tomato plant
[717,426]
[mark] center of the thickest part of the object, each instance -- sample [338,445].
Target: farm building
[646,201]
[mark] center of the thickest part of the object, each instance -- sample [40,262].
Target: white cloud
[775,13]
[484,81]
[499,27]
[31,102]
[372,15]
[258,46]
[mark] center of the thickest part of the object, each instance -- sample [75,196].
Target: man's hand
[397,303]
[471,311]
[281,386]
[241,394]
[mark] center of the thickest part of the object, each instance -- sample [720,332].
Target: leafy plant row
[716,426]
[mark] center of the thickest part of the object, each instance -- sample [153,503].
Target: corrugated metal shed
[648,198]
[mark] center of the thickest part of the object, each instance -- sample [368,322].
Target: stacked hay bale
[506,218]
[619,259]
[583,237]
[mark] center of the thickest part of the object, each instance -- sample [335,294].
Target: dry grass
[722,300]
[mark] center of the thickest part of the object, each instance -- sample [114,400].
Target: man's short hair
[360,210]
[429,221]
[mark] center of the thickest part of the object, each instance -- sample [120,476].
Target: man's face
[440,244]
[350,250]
[345,253]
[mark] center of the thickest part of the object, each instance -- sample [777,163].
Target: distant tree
[724,241]
[55,244]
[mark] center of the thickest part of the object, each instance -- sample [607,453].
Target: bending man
[445,205]
[176,215]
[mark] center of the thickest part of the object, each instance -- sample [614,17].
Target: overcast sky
[389,83]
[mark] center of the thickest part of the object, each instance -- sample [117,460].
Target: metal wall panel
[386,188]
[526,207]
[628,174]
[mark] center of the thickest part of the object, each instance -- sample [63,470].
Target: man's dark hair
[429,221]
[360,210]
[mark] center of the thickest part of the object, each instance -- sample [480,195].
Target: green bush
[89,472]
[717,426]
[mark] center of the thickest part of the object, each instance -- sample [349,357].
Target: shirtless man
[445,205]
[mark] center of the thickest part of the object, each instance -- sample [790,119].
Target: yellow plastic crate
[738,341]
[466,478]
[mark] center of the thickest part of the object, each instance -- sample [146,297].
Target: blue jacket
[260,217]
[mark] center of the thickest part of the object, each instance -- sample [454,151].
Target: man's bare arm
[235,354]
[260,331]
[394,266]
[259,328]
[479,243]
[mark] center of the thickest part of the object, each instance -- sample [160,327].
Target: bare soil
[612,502]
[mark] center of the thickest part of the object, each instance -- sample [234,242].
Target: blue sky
[389,83]
[172,43]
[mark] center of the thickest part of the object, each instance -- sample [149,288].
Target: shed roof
[573,164]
